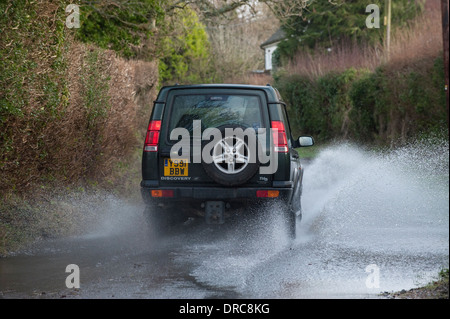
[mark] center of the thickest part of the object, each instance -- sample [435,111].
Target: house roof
[274,38]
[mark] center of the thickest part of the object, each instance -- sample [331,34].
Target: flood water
[372,222]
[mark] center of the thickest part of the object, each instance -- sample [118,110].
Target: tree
[326,23]
[121,25]
[168,31]
[186,51]
[211,9]
[134,27]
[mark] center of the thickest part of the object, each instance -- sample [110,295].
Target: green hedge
[388,105]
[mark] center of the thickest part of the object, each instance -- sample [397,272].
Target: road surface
[372,223]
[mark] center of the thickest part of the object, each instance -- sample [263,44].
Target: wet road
[372,223]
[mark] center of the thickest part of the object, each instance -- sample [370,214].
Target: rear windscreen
[215,110]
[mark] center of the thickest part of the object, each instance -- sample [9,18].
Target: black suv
[213,148]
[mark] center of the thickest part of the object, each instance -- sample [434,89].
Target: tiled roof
[276,37]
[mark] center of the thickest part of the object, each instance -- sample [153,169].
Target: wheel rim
[230,155]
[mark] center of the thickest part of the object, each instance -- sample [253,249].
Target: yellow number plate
[176,167]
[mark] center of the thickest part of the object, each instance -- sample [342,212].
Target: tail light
[279,137]
[152,138]
[267,193]
[162,193]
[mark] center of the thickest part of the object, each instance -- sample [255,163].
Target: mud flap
[215,212]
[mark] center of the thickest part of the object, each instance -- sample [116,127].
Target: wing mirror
[304,141]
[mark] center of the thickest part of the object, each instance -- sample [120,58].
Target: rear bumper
[203,193]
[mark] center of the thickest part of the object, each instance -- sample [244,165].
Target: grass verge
[436,289]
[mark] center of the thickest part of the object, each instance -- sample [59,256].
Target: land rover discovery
[211,149]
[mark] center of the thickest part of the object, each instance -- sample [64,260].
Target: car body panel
[197,187]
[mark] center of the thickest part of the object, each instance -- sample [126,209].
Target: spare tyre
[233,159]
